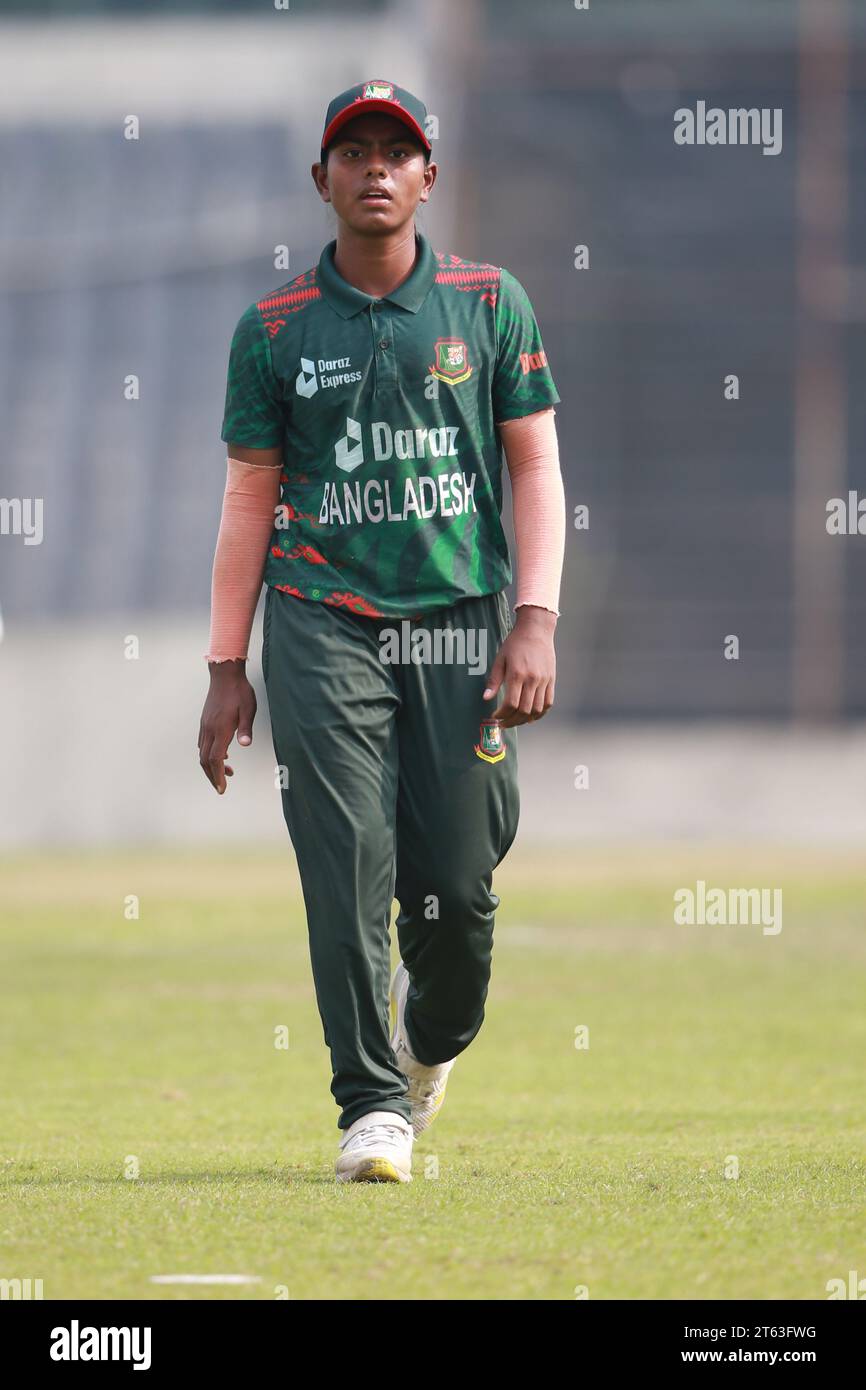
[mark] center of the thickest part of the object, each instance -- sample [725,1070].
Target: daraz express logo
[418,443]
[325,372]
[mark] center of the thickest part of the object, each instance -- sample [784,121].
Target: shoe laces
[373,1135]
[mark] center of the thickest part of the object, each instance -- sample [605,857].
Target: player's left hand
[526,665]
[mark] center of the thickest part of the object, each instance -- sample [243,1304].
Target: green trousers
[393,789]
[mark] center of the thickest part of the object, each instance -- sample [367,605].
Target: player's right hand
[230,706]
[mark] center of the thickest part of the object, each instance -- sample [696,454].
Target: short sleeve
[254,411]
[522,379]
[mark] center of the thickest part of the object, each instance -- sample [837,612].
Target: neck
[375,265]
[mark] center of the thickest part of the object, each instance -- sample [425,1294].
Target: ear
[319,173]
[429,179]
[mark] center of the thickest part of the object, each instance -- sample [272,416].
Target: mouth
[375,195]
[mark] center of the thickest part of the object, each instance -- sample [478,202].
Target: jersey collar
[347,300]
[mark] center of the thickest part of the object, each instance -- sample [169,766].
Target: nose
[376,162]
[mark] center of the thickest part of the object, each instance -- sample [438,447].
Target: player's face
[375,176]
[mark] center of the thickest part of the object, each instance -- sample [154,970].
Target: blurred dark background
[707,516]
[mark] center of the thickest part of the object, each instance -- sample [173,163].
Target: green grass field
[150,1042]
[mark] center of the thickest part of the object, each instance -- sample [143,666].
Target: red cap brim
[360,108]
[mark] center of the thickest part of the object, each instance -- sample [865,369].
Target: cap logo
[378,91]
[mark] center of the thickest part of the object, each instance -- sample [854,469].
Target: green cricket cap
[376,96]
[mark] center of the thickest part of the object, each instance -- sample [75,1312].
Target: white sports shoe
[426,1084]
[376,1148]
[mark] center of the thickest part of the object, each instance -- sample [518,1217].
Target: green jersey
[387,412]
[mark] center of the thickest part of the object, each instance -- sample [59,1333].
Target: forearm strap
[251,497]
[532,454]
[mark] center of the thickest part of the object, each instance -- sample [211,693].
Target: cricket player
[368,405]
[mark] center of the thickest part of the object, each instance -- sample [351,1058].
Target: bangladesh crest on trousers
[491,746]
[451,360]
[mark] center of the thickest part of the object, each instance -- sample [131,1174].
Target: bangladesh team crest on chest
[451,360]
[491,745]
